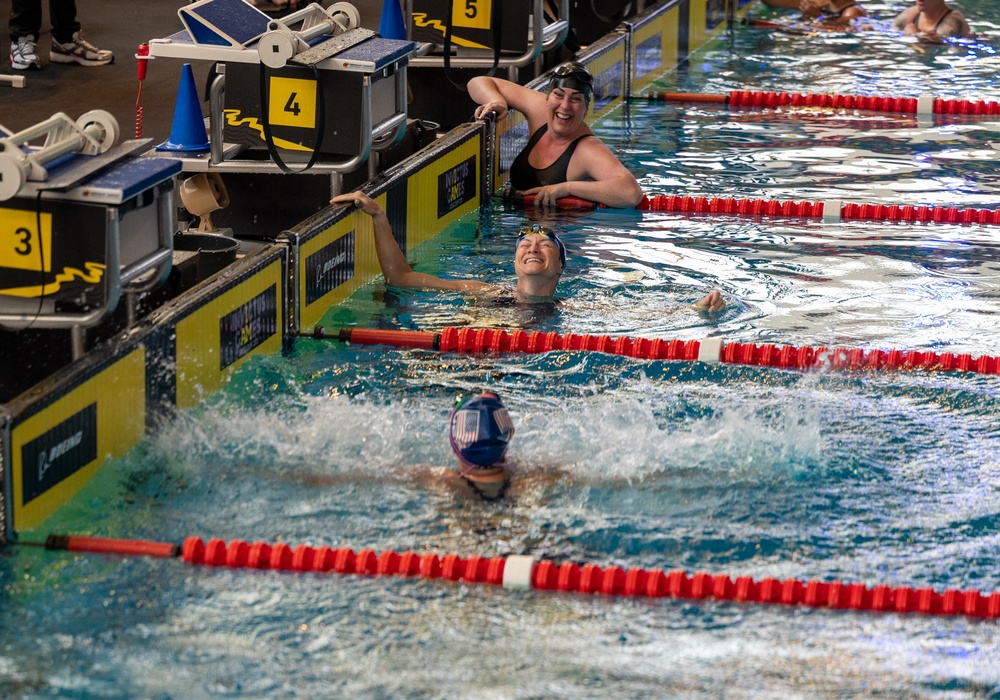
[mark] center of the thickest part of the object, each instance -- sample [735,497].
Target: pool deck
[74,89]
[120,27]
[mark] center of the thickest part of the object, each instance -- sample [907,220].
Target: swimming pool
[873,477]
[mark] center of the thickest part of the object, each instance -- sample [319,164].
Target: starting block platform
[311,88]
[82,222]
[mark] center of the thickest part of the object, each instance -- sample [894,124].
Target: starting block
[310,88]
[82,221]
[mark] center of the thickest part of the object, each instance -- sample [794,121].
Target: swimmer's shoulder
[955,25]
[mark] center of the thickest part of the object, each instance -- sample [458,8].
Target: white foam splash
[596,437]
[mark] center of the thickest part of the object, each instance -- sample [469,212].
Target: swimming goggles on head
[542,231]
[573,76]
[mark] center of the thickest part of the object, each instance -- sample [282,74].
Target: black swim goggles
[574,76]
[542,231]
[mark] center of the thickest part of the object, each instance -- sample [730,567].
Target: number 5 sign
[472,22]
[474,14]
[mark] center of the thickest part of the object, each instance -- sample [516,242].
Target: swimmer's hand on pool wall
[363,202]
[391,260]
[494,103]
[486,92]
[499,107]
[713,302]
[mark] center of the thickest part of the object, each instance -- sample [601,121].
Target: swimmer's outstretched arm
[711,303]
[395,268]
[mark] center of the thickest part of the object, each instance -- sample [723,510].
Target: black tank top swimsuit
[524,177]
[916,20]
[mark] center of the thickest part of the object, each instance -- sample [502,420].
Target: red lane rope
[874,103]
[589,578]
[818,210]
[656,583]
[697,97]
[791,28]
[726,205]
[526,572]
[831,210]
[483,340]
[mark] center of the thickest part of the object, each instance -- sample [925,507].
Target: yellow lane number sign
[22,245]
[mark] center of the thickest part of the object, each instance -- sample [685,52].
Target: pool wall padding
[56,435]
[333,252]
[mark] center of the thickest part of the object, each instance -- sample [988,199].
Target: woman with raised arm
[563,158]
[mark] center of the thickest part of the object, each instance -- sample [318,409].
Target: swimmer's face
[537,255]
[567,108]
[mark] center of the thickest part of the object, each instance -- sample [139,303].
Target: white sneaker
[24,54]
[81,51]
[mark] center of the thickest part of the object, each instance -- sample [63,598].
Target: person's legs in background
[68,44]
[63,16]
[25,24]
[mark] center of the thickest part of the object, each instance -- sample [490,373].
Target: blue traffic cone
[391,25]
[188,130]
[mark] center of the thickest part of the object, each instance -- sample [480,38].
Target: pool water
[853,63]
[882,478]
[879,478]
[811,154]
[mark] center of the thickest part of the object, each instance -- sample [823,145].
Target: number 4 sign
[292,102]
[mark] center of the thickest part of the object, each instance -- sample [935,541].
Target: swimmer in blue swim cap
[480,429]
